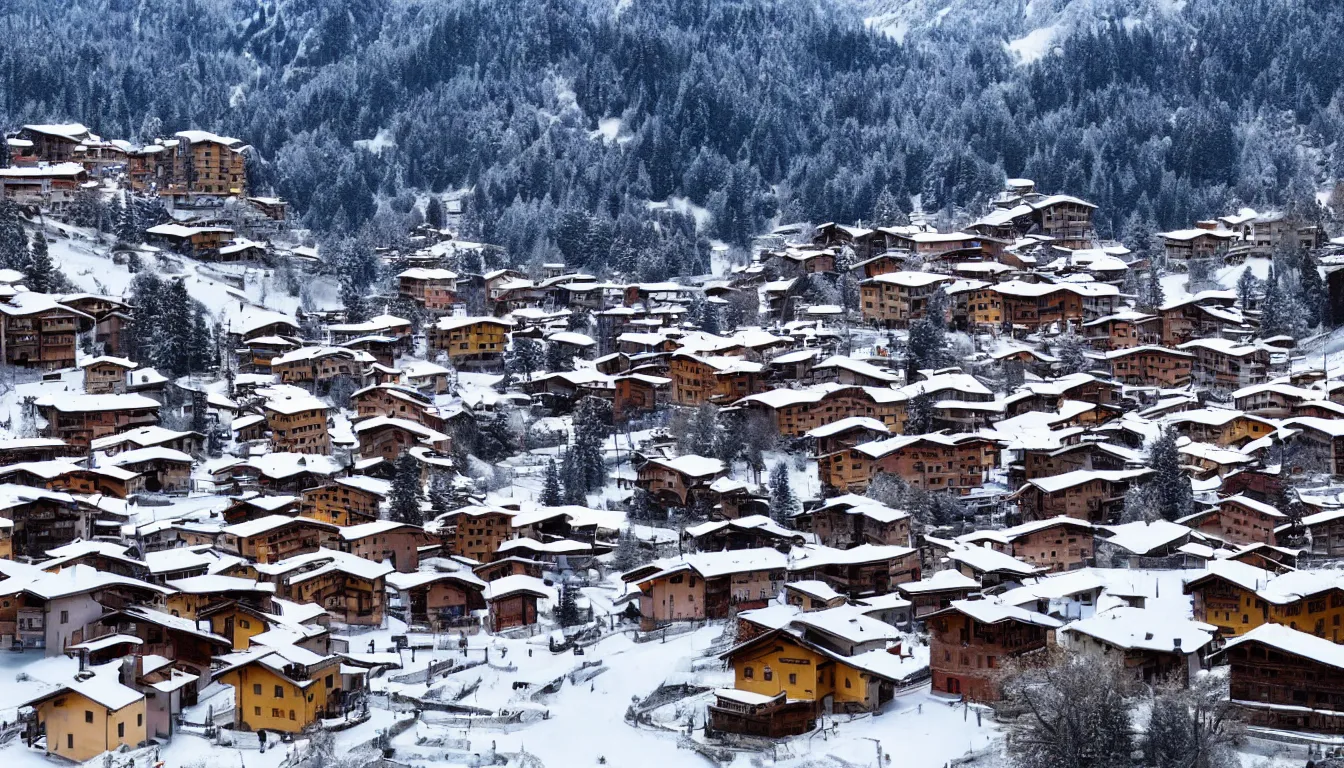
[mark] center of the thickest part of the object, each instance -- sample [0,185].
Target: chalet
[53,186]
[1274,400]
[1287,680]
[1153,646]
[274,538]
[386,541]
[931,462]
[894,299]
[387,438]
[1321,440]
[106,375]
[81,419]
[812,663]
[285,689]
[512,601]
[440,600]
[1224,427]
[1151,366]
[1122,330]
[318,365]
[36,331]
[198,242]
[40,520]
[348,587]
[680,481]
[52,610]
[936,592]
[298,425]
[837,236]
[110,315]
[1183,245]
[391,326]
[1055,544]
[396,401]
[1225,364]
[150,437]
[433,289]
[1034,305]
[1238,520]
[1091,495]
[846,433]
[1207,314]
[862,571]
[812,595]
[749,532]
[707,585]
[988,565]
[163,470]
[470,341]
[345,500]
[475,531]
[84,718]
[188,165]
[1325,529]
[699,379]
[970,639]
[1134,543]
[850,520]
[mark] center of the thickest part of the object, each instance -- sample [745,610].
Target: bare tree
[1075,711]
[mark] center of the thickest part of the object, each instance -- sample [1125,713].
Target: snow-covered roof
[848,423]
[691,465]
[1056,483]
[1132,628]
[994,611]
[1142,537]
[987,560]
[83,403]
[1289,640]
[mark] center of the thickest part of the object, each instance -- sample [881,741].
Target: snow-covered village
[533,447]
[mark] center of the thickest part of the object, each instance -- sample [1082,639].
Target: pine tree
[1247,289]
[1314,297]
[927,348]
[592,425]
[783,504]
[1175,494]
[525,357]
[919,414]
[42,276]
[128,229]
[568,613]
[571,477]
[1072,353]
[404,506]
[628,553]
[1152,296]
[434,212]
[198,408]
[13,242]
[352,298]
[440,500]
[550,492]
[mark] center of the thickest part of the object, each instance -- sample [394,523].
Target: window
[256,711]
[121,730]
[749,673]
[256,689]
[279,692]
[65,616]
[244,623]
[69,741]
[275,712]
[769,674]
[848,684]
[328,681]
[88,716]
[793,678]
[291,714]
[140,719]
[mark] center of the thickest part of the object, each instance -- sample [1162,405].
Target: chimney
[1176,644]
[895,650]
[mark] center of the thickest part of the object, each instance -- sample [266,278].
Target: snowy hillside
[1029,28]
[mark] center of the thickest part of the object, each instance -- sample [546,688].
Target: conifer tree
[434,212]
[41,274]
[550,491]
[1247,288]
[783,504]
[1313,295]
[568,613]
[627,554]
[1072,353]
[919,414]
[404,506]
[1175,494]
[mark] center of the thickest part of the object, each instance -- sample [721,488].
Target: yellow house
[477,339]
[85,718]
[6,539]
[1237,597]
[236,621]
[781,661]
[285,688]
